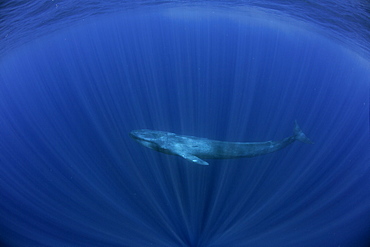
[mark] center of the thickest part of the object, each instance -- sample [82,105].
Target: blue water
[71,92]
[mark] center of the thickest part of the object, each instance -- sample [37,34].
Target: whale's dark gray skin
[194,149]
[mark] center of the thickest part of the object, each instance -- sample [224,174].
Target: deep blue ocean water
[76,78]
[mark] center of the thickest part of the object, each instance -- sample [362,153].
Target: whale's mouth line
[138,138]
[135,137]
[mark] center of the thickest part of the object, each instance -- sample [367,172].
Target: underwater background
[77,76]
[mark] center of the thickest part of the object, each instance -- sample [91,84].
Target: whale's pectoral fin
[194,159]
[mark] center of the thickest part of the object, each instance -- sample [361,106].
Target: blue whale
[194,149]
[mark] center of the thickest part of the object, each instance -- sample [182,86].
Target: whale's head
[153,139]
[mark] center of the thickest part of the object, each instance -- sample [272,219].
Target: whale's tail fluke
[299,135]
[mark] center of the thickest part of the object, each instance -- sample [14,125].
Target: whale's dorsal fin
[193,158]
